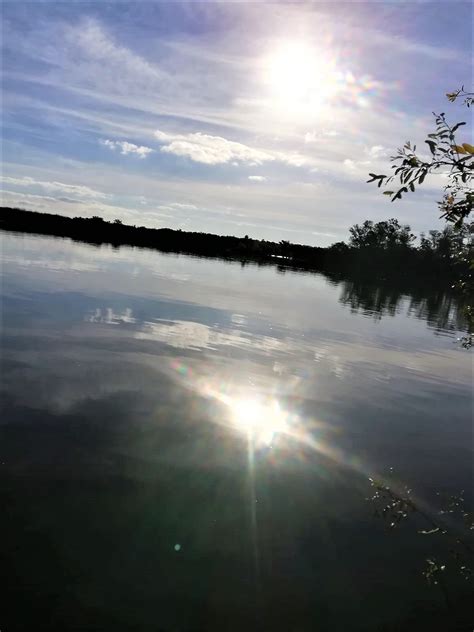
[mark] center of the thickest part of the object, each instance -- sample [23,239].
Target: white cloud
[313,137]
[257,178]
[210,150]
[377,151]
[310,137]
[127,148]
[79,191]
[216,150]
[294,159]
[319,234]
[371,156]
[350,164]
[184,207]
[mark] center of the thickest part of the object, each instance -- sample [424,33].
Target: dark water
[185,444]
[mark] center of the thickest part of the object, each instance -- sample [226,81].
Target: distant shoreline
[98,231]
[404,266]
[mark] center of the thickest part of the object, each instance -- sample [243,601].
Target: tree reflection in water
[442,310]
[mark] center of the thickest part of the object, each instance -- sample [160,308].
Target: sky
[259,119]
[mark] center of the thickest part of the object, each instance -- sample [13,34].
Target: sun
[293,69]
[300,76]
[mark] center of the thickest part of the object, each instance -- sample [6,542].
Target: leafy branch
[411,170]
[455,160]
[468,96]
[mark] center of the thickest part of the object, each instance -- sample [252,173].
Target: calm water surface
[186,443]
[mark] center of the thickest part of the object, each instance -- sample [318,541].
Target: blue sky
[235,118]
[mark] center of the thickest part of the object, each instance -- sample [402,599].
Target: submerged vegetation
[449,551]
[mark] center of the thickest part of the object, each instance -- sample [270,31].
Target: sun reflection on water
[262,421]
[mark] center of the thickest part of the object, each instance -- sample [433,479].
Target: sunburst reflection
[262,421]
[263,418]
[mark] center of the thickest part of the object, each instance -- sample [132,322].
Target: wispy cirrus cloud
[257,178]
[183,207]
[92,39]
[78,191]
[126,148]
[411,47]
[69,206]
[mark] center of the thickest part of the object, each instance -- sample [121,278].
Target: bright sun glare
[260,420]
[300,76]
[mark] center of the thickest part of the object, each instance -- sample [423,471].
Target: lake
[186,444]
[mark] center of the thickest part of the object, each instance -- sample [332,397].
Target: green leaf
[432,146]
[398,194]
[456,127]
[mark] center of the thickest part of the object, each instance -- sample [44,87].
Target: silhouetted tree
[384,235]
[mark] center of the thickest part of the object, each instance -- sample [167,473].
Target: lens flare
[304,80]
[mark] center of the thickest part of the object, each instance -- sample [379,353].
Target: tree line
[379,250]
